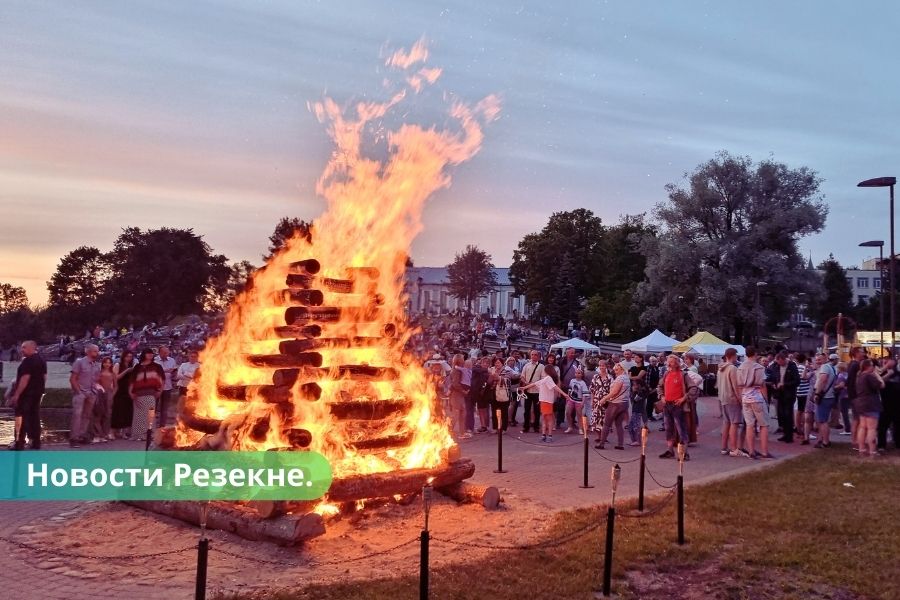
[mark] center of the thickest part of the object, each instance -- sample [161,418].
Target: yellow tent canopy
[701,338]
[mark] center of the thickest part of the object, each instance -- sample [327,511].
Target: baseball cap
[833,356]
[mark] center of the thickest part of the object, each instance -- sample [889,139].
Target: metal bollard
[427,492]
[610,530]
[202,555]
[587,442]
[499,468]
[644,432]
[680,485]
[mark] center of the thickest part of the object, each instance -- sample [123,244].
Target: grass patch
[790,531]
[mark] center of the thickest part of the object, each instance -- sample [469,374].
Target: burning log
[370,272]
[369,410]
[300,346]
[303,297]
[310,266]
[303,359]
[306,282]
[486,495]
[288,377]
[269,393]
[274,508]
[383,485]
[388,441]
[359,314]
[292,331]
[241,520]
[164,437]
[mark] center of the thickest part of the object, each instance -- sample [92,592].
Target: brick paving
[546,474]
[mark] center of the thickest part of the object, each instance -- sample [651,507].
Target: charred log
[310,266]
[269,393]
[298,346]
[327,314]
[369,410]
[486,495]
[304,359]
[292,331]
[306,282]
[382,485]
[288,377]
[301,297]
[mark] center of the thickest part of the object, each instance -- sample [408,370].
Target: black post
[202,555]
[641,483]
[893,280]
[587,442]
[423,566]
[607,558]
[680,510]
[499,468]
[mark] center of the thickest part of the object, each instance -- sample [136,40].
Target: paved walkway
[548,474]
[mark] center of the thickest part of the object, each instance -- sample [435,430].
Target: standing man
[752,380]
[674,391]
[730,401]
[787,379]
[531,372]
[627,361]
[857,354]
[31,377]
[825,399]
[84,379]
[652,383]
[188,370]
[169,367]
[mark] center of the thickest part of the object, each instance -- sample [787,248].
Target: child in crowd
[547,391]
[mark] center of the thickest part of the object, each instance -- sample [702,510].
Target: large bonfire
[312,354]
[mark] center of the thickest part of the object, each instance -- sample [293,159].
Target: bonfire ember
[312,354]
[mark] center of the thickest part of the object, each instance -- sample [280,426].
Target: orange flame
[374,212]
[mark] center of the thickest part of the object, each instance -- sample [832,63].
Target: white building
[429,292]
[864,282]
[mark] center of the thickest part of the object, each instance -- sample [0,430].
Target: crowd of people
[621,394]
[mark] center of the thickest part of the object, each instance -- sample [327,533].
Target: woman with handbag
[600,385]
[500,379]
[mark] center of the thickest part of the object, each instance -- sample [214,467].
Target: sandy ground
[112,529]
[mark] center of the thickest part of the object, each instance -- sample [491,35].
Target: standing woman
[122,405]
[638,377]
[600,386]
[103,406]
[867,407]
[145,389]
[617,413]
[458,393]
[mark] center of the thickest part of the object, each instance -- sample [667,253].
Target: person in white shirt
[578,392]
[186,372]
[547,391]
[169,367]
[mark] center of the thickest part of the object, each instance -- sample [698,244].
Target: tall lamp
[880,245]
[888,182]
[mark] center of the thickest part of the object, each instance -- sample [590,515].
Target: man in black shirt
[31,377]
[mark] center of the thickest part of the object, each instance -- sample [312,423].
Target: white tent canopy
[715,351]
[576,343]
[655,342]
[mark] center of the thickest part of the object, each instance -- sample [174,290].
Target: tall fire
[312,356]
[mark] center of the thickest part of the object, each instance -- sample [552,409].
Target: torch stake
[610,530]
[202,555]
[644,432]
[499,468]
[427,494]
[584,429]
[680,487]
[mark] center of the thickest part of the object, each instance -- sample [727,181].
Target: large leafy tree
[733,225]
[12,298]
[558,267]
[77,289]
[471,275]
[837,296]
[285,229]
[159,273]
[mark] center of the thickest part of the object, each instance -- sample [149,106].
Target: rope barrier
[614,460]
[550,444]
[668,487]
[650,511]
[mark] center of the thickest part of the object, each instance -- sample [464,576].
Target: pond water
[54,424]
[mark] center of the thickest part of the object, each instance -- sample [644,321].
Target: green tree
[736,223]
[471,275]
[837,294]
[222,292]
[538,269]
[285,229]
[19,325]
[12,298]
[160,273]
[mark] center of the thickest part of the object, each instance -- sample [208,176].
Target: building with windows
[429,293]
[864,282]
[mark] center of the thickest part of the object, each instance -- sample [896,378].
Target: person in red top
[674,392]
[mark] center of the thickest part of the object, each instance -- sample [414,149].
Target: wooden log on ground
[486,495]
[383,485]
[241,520]
[304,359]
[268,509]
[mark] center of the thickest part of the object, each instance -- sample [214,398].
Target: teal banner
[166,475]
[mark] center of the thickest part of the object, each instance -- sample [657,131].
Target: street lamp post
[759,284]
[888,182]
[880,245]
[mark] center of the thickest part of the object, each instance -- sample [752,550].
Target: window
[862,282]
[876,283]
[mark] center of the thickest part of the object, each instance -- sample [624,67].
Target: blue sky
[194,114]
